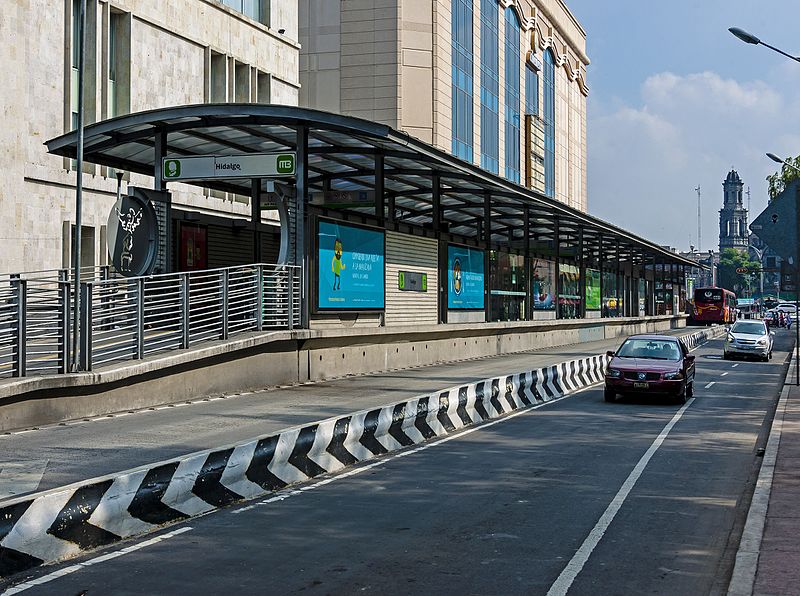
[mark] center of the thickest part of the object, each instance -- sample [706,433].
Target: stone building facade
[140,54]
[733,230]
[501,84]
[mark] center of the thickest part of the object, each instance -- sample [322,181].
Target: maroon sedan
[651,364]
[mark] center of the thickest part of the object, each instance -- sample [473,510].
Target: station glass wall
[543,284]
[569,298]
[508,286]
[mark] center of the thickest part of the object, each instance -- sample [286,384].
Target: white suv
[786,307]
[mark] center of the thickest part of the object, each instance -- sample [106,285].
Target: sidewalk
[779,560]
[768,561]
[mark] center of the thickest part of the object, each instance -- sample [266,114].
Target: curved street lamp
[752,39]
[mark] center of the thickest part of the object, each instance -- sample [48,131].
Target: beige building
[501,84]
[140,54]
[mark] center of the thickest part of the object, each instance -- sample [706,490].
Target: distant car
[786,307]
[751,339]
[650,364]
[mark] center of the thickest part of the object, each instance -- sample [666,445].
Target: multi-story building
[140,54]
[501,84]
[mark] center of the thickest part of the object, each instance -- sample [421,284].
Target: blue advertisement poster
[465,278]
[351,267]
[544,284]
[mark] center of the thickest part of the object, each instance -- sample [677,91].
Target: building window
[218,78]
[531,91]
[258,10]
[76,56]
[549,123]
[462,79]
[490,86]
[119,50]
[513,99]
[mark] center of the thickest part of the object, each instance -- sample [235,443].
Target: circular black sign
[133,236]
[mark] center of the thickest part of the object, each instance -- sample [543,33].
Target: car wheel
[690,390]
[609,395]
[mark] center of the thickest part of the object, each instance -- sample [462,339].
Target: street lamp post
[796,265]
[78,189]
[752,39]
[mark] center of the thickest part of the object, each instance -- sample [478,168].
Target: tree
[779,180]
[730,260]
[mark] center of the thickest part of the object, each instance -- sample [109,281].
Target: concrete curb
[746,565]
[61,523]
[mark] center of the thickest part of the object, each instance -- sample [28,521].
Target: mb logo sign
[250,165]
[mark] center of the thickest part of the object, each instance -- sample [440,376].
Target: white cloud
[646,160]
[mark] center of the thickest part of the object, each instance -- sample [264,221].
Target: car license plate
[641,385]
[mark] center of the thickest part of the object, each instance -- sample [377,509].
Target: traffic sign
[251,165]
[742,270]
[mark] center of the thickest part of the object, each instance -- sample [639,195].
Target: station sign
[250,165]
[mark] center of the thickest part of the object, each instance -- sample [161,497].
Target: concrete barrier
[281,358]
[64,522]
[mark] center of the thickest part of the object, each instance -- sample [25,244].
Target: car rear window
[654,349]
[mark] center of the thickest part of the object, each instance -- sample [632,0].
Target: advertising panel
[544,284]
[465,278]
[592,289]
[350,263]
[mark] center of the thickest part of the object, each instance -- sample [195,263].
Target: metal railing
[132,318]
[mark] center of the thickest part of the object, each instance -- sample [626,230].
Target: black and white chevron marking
[59,524]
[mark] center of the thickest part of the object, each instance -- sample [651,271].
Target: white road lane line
[709,385]
[564,581]
[101,559]
[735,365]
[723,374]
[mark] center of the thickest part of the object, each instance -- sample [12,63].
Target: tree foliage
[730,260]
[779,180]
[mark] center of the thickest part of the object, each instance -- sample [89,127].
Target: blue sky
[675,101]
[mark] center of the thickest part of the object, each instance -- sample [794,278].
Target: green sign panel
[250,165]
[592,289]
[412,281]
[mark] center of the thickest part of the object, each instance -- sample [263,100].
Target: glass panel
[490,86]
[593,289]
[612,301]
[462,79]
[569,299]
[531,91]
[512,96]
[549,118]
[508,286]
[543,284]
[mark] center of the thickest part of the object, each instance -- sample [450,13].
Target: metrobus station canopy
[405,180]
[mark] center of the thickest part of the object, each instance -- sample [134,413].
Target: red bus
[713,305]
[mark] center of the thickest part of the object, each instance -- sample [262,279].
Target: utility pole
[699,243]
[748,203]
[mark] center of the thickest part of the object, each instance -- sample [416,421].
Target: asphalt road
[577,496]
[57,455]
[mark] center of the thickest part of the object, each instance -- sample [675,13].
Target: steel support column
[557,247]
[255,217]
[527,268]
[380,201]
[581,276]
[301,223]
[487,238]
